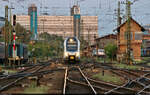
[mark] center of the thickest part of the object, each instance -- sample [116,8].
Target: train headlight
[77,54]
[71,40]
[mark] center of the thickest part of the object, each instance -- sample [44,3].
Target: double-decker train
[71,49]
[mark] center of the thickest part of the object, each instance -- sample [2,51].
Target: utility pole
[6,34]
[118,15]
[10,28]
[118,23]
[128,3]
[10,25]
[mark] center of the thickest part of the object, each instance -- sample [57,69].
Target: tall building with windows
[85,27]
[32,12]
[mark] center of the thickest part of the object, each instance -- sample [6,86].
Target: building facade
[86,27]
[145,52]
[32,12]
[105,40]
[136,31]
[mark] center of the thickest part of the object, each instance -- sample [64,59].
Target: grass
[86,59]
[138,62]
[148,64]
[101,60]
[107,60]
[33,89]
[124,66]
[146,58]
[2,66]
[9,71]
[108,78]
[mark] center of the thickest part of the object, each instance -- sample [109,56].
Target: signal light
[14,20]
[13,31]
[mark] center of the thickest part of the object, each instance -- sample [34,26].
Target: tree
[111,51]
[22,34]
[47,46]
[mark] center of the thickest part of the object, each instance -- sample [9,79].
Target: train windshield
[72,44]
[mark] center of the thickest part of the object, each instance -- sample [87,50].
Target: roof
[113,36]
[143,29]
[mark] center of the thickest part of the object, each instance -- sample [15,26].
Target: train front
[72,49]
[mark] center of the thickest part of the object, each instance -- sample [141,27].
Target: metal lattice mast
[128,33]
[118,15]
[6,35]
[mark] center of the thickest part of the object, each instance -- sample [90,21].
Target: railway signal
[14,46]
[14,36]
[14,20]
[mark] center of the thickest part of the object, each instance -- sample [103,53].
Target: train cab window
[72,44]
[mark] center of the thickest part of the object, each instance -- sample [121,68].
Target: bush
[49,46]
[111,51]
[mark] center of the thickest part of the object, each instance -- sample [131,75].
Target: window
[125,35]
[138,35]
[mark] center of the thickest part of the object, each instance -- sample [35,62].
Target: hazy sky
[104,9]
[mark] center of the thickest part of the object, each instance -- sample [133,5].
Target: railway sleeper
[96,87]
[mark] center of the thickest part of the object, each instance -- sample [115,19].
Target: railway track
[6,82]
[82,82]
[95,86]
[76,81]
[134,77]
[137,83]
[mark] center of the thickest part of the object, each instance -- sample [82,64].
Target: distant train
[71,49]
[21,52]
[99,52]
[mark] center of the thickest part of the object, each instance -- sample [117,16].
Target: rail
[65,81]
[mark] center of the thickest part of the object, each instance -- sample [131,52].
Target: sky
[104,9]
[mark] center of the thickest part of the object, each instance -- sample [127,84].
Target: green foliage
[2,39]
[108,78]
[124,66]
[47,46]
[36,90]
[22,34]
[9,71]
[111,51]
[148,64]
[85,59]
[100,60]
[83,43]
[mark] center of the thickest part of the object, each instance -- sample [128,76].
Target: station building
[136,40]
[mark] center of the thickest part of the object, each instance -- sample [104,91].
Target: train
[21,52]
[99,52]
[71,49]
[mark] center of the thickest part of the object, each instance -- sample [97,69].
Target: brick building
[105,40]
[146,42]
[101,42]
[136,40]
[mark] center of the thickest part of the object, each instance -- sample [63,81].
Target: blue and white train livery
[71,49]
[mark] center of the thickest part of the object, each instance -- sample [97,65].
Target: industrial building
[85,27]
[102,42]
